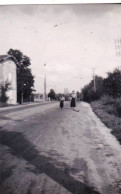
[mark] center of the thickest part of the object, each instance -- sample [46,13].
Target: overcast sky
[70,39]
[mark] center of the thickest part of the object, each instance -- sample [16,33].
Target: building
[66,91]
[8,73]
[38,97]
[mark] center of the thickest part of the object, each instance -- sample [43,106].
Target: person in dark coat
[62,99]
[73,100]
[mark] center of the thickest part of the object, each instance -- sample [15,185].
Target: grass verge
[106,112]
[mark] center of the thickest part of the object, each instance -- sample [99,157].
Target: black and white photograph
[60,98]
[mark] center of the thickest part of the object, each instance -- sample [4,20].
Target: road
[45,150]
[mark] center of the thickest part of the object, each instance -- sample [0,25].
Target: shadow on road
[21,147]
[5,118]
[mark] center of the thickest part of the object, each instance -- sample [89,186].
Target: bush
[90,93]
[4,87]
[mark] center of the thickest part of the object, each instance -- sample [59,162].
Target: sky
[72,40]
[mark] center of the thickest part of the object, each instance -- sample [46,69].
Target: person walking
[62,99]
[73,100]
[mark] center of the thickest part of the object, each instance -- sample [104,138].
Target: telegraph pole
[45,87]
[94,81]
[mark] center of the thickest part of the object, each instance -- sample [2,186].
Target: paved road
[45,150]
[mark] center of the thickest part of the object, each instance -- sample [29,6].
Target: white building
[8,73]
[66,91]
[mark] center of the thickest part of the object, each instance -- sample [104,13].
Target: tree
[112,84]
[4,87]
[57,96]
[25,79]
[78,95]
[52,94]
[99,86]
[88,92]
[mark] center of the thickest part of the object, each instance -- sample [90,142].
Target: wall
[8,73]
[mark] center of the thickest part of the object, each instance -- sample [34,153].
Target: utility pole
[22,93]
[94,81]
[45,87]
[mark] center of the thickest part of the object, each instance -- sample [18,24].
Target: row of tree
[111,86]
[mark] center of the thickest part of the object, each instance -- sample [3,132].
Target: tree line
[109,86]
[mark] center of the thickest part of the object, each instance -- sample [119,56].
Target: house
[8,72]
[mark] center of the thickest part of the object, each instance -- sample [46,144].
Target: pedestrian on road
[73,100]
[62,99]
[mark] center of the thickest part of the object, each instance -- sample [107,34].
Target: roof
[7,57]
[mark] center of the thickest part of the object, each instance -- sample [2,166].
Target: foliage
[52,95]
[78,95]
[57,96]
[4,87]
[88,92]
[25,79]
[112,84]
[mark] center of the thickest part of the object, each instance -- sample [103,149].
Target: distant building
[38,97]
[66,91]
[8,73]
[66,94]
